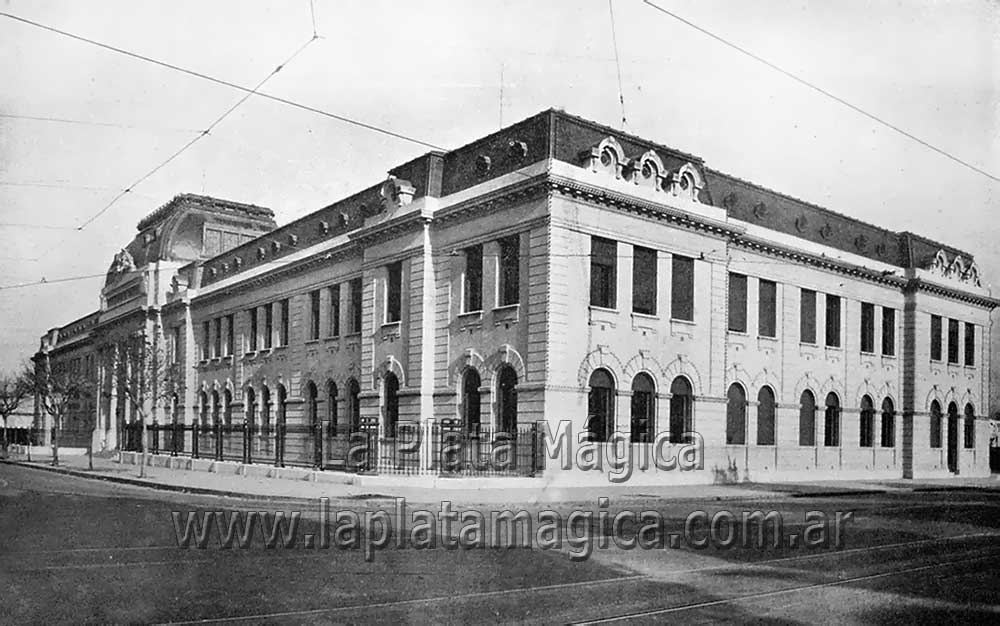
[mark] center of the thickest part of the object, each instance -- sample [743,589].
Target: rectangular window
[970,344]
[283,323]
[253,329]
[314,310]
[603,275]
[206,339]
[473,285]
[737,303]
[936,337]
[682,288]
[230,333]
[354,305]
[510,269]
[644,281]
[335,311]
[393,292]
[175,345]
[833,321]
[953,341]
[767,309]
[217,338]
[268,326]
[867,327]
[807,316]
[888,331]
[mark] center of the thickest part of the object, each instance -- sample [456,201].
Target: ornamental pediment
[643,170]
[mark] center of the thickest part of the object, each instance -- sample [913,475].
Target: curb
[836,494]
[138,482]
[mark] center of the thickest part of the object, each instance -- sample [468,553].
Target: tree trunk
[90,450]
[55,444]
[3,447]
[142,445]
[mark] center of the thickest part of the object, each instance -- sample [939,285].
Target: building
[557,272]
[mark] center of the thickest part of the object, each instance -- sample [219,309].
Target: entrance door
[952,438]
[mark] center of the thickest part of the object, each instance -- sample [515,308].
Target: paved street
[76,550]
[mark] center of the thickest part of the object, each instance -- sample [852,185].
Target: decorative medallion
[826,232]
[483,164]
[517,149]
[275,247]
[237,263]
[261,252]
[729,202]
[880,248]
[345,218]
[293,240]
[760,210]
[861,242]
[801,223]
[324,227]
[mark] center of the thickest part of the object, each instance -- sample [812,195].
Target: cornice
[292,269]
[917,284]
[388,229]
[630,204]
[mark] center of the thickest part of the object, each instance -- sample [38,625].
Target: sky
[447,72]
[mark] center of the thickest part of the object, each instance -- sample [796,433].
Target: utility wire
[824,92]
[193,141]
[220,81]
[618,63]
[63,120]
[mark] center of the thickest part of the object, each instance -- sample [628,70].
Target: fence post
[534,448]
[156,438]
[194,440]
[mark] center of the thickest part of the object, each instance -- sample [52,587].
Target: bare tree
[14,389]
[58,388]
[147,382]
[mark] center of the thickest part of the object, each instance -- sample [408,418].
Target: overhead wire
[824,92]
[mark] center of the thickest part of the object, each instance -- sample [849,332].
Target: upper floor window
[175,344]
[737,302]
[217,338]
[253,329]
[508,289]
[354,305]
[867,327]
[206,338]
[833,321]
[268,326]
[644,280]
[807,316]
[473,285]
[936,338]
[283,323]
[603,272]
[970,344]
[888,331]
[682,288]
[767,309]
[393,292]
[335,311]
[230,334]
[953,341]
[314,309]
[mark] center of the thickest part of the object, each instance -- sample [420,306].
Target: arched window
[970,426]
[601,405]
[227,407]
[507,399]
[888,424]
[831,421]
[736,415]
[354,405]
[936,424]
[390,408]
[867,423]
[265,410]
[250,410]
[282,407]
[203,401]
[312,405]
[807,419]
[215,408]
[952,454]
[470,400]
[765,417]
[681,410]
[643,408]
[331,407]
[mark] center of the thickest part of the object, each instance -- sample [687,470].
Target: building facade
[556,273]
